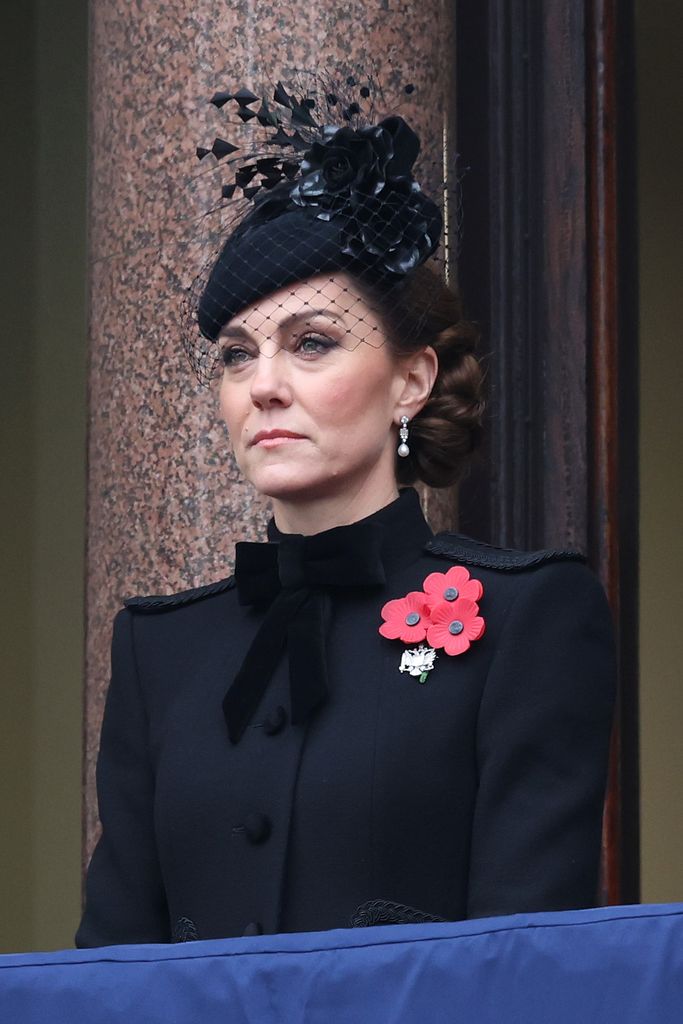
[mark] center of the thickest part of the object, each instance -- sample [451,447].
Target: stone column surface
[166,502]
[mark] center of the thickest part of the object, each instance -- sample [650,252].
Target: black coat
[476,793]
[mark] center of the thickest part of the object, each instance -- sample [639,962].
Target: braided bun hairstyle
[425,311]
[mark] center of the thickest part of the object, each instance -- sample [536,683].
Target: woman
[366,722]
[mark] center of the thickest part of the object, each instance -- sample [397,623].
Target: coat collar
[405,530]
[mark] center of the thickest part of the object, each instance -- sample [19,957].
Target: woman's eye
[314,344]
[234,355]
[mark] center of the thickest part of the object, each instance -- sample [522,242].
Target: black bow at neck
[290,576]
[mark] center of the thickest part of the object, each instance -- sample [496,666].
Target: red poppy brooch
[445,613]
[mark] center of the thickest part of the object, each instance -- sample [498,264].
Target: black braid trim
[162,601]
[387,912]
[459,548]
[184,930]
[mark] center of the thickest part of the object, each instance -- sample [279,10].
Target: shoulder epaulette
[160,602]
[457,547]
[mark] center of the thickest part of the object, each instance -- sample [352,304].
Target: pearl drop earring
[403,449]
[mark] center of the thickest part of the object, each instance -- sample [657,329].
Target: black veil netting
[320,214]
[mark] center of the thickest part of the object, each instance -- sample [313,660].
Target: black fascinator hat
[331,190]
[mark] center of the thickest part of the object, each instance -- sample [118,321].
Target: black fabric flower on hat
[399,229]
[363,160]
[345,161]
[364,176]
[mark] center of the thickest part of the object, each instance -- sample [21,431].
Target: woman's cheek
[342,400]
[232,413]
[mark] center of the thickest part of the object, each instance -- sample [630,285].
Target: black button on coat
[476,793]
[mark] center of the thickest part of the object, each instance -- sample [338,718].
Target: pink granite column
[165,500]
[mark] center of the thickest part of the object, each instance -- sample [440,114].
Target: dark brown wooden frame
[545,110]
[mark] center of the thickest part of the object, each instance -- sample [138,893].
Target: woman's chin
[290,483]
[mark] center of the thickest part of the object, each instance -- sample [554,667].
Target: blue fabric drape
[617,964]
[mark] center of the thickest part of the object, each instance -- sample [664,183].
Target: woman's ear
[420,370]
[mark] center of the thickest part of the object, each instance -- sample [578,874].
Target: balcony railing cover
[616,964]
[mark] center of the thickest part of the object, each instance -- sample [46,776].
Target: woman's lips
[275,442]
[275,438]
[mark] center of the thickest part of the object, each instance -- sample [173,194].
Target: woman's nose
[269,382]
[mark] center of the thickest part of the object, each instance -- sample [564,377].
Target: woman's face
[311,392]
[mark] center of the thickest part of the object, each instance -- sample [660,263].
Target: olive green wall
[16,506]
[660,167]
[42,391]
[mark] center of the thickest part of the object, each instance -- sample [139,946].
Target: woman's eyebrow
[236,332]
[240,332]
[308,314]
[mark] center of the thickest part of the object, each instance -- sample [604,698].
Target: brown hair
[425,311]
